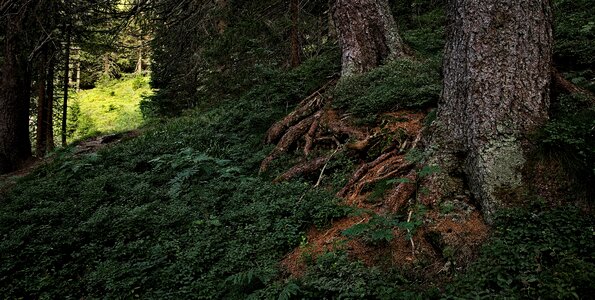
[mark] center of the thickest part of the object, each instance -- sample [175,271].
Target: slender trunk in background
[139,63]
[41,136]
[294,10]
[106,65]
[49,126]
[66,86]
[15,85]
[367,34]
[497,66]
[78,71]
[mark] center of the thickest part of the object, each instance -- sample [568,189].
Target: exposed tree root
[291,136]
[313,121]
[303,168]
[398,196]
[311,134]
[338,126]
[304,109]
[382,151]
[363,170]
[564,85]
[388,165]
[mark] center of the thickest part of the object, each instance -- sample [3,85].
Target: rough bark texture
[367,34]
[496,90]
[15,80]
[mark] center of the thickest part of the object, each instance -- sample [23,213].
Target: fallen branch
[409,234]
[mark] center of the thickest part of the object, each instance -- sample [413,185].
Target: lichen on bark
[497,69]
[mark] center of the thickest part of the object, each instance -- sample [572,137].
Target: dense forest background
[269,164]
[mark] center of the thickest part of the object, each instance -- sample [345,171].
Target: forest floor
[394,227]
[331,207]
[86,146]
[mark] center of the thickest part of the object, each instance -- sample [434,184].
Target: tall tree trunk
[497,66]
[367,33]
[294,11]
[49,126]
[42,72]
[78,72]
[66,85]
[15,81]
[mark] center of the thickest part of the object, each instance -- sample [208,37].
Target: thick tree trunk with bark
[15,81]
[367,33]
[496,91]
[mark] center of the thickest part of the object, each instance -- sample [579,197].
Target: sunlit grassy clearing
[113,106]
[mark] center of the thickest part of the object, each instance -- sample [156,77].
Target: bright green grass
[113,106]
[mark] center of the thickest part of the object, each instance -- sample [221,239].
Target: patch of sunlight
[112,106]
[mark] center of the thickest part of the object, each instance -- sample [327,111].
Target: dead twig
[324,168]
[410,235]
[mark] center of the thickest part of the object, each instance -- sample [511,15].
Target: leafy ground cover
[180,212]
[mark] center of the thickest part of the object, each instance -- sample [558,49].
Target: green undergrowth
[179,212]
[425,33]
[404,83]
[112,106]
[574,32]
[534,253]
[569,137]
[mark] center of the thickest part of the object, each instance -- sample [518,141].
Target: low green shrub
[179,212]
[403,83]
[335,276]
[425,33]
[574,45]
[570,138]
[533,254]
